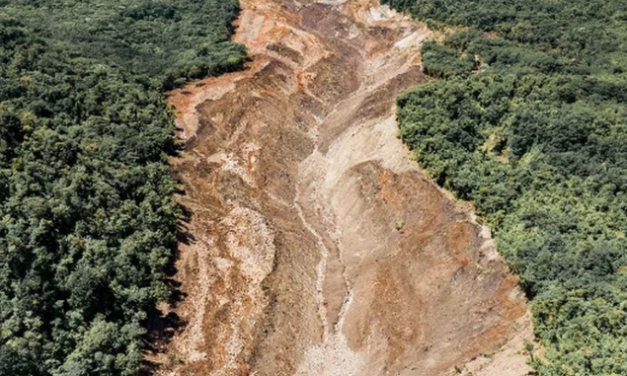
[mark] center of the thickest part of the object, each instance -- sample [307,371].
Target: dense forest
[527,118]
[87,219]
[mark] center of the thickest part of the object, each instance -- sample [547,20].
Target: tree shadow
[183,234]
[160,331]
[161,327]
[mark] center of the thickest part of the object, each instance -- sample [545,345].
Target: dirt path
[318,247]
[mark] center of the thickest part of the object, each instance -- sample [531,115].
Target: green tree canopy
[535,134]
[87,218]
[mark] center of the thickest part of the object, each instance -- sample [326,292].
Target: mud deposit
[317,247]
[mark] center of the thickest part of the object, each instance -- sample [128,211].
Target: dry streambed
[316,246]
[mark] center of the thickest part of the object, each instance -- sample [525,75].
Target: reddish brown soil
[318,247]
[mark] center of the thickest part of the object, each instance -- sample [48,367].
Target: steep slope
[317,247]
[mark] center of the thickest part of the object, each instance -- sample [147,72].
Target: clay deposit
[316,245]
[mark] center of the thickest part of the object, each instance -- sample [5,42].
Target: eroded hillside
[316,246]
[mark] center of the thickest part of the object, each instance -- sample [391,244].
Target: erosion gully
[314,245]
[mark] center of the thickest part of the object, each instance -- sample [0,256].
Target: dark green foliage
[536,136]
[178,40]
[87,219]
[442,61]
[577,37]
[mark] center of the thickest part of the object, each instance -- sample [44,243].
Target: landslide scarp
[317,246]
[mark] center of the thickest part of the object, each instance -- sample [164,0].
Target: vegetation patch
[529,122]
[87,219]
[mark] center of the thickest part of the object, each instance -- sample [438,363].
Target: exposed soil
[317,245]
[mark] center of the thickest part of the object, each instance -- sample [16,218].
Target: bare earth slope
[318,247]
